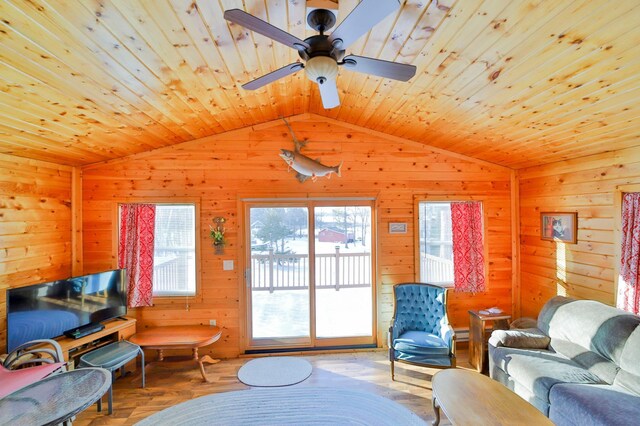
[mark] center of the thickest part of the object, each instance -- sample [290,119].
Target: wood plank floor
[169,384]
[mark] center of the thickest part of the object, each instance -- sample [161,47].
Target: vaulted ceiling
[518,83]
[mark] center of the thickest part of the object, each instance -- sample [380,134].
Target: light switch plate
[227,265]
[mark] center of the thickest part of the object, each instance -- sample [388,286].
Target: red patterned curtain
[629,280]
[468,247]
[135,251]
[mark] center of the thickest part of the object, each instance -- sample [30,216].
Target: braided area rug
[274,371]
[287,406]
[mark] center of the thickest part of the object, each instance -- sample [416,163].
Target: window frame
[417,199]
[195,201]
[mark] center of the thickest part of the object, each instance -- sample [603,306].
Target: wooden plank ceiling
[518,83]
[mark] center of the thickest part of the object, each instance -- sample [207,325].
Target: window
[451,244]
[436,245]
[174,249]
[174,260]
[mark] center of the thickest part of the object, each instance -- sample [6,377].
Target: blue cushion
[420,343]
[430,359]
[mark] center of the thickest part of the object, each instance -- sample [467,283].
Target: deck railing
[171,270]
[277,271]
[274,271]
[435,269]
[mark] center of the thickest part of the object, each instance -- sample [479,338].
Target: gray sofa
[580,366]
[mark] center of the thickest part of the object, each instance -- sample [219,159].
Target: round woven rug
[274,371]
[287,406]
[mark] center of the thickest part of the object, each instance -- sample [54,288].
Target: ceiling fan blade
[329,94]
[273,76]
[379,67]
[240,17]
[361,19]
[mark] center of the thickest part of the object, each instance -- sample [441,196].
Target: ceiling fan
[323,54]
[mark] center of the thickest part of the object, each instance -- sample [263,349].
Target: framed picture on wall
[559,226]
[397,228]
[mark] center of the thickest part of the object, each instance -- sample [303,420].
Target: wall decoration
[559,226]
[397,228]
[217,234]
[304,166]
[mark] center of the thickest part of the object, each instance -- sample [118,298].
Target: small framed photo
[397,228]
[559,226]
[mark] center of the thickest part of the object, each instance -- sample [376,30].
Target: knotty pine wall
[222,169]
[585,185]
[35,231]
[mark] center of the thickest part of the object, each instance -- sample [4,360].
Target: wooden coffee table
[470,398]
[179,337]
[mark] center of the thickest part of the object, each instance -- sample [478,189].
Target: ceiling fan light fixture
[321,68]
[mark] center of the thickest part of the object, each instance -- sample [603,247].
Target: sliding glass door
[310,275]
[343,264]
[279,275]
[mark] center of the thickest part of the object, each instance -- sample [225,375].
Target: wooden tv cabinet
[114,330]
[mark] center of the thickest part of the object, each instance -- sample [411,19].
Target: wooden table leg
[436,410]
[208,360]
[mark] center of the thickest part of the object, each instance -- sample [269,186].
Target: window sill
[166,300]
[445,285]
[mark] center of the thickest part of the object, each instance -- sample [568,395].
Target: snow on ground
[285,313]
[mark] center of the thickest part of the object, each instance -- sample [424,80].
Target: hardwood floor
[172,383]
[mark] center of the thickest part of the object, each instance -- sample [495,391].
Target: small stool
[111,357]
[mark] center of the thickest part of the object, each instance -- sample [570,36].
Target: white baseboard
[462,334]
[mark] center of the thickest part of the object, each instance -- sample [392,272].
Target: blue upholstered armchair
[420,332]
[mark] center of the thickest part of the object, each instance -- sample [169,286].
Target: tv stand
[113,331]
[85,330]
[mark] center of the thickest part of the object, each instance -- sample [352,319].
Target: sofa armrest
[527,338]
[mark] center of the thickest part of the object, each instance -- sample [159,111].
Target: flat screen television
[49,310]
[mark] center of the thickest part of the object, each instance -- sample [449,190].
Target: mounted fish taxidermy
[304,166]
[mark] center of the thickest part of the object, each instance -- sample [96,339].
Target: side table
[478,335]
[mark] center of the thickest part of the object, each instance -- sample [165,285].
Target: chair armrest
[448,335]
[396,328]
[40,351]
[390,333]
[526,338]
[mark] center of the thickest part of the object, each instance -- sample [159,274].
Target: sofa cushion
[591,361]
[592,405]
[420,343]
[531,338]
[539,370]
[593,325]
[12,380]
[629,375]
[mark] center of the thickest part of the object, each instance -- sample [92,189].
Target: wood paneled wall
[585,185]
[35,231]
[222,169]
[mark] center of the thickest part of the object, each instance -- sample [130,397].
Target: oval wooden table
[470,398]
[179,337]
